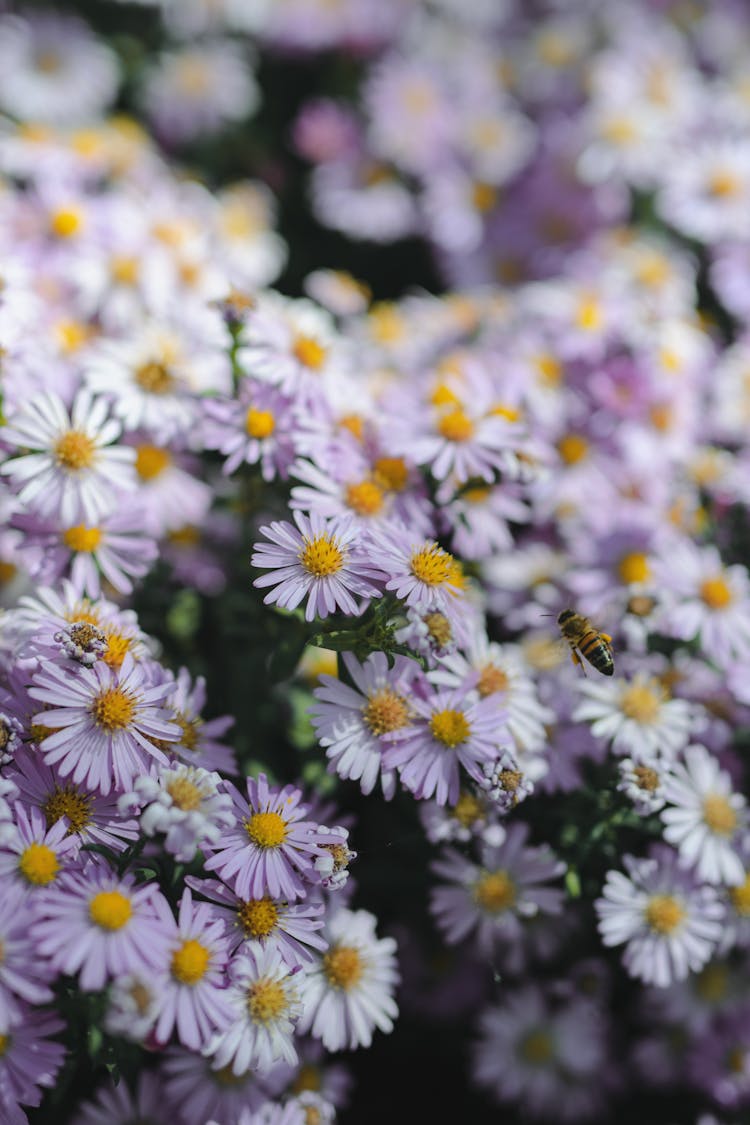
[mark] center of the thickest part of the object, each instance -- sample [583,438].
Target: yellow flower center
[477,494]
[572,448]
[712,984]
[258,917]
[82,539]
[491,680]
[186,536]
[664,914]
[154,378]
[433,566]
[724,184]
[266,829]
[483,196]
[510,413]
[66,222]
[646,778]
[8,572]
[343,967]
[495,891]
[642,702]
[385,711]
[365,498]
[588,314]
[634,567]
[189,962]
[113,709]
[5,1041]
[467,810]
[321,557]
[75,450]
[740,897]
[391,473]
[38,864]
[719,815]
[266,1000]
[354,424]
[537,1048]
[308,1078]
[123,269]
[715,592]
[151,461]
[456,426]
[259,424]
[309,352]
[439,628]
[450,727]
[189,731]
[185,793]
[110,910]
[549,368]
[117,646]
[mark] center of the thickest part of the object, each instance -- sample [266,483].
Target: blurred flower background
[344,346]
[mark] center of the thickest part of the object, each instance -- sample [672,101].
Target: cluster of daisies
[427,483]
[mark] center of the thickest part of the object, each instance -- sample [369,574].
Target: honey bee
[586,641]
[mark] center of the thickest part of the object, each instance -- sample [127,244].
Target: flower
[271,850]
[100,926]
[118,1105]
[28,1061]
[705,817]
[638,716]
[321,560]
[103,723]
[183,802]
[21,977]
[669,922]
[39,853]
[643,785]
[266,1006]
[418,571]
[72,469]
[349,991]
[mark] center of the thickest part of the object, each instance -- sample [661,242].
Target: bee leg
[606,637]
[577,660]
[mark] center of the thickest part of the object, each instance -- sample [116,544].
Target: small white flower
[333,865]
[641,784]
[183,802]
[637,716]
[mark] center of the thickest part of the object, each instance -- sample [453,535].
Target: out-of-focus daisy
[643,785]
[99,926]
[349,991]
[202,1092]
[104,723]
[29,1061]
[637,716]
[321,560]
[363,198]
[184,803]
[418,571]
[132,1006]
[197,89]
[705,818]
[198,742]
[38,854]
[705,193]
[265,1004]
[490,898]
[255,428]
[192,996]
[350,721]
[116,1104]
[21,976]
[72,468]
[669,922]
[272,848]
[291,344]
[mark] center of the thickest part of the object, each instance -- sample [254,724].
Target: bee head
[565,616]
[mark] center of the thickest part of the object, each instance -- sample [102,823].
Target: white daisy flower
[349,990]
[183,802]
[637,716]
[706,817]
[670,923]
[69,470]
[643,785]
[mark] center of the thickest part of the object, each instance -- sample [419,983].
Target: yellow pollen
[75,450]
[266,829]
[190,731]
[572,448]
[433,566]
[646,778]
[664,914]
[491,680]
[354,424]
[439,628]
[642,702]
[141,997]
[185,794]
[385,711]
[740,897]
[634,567]
[443,395]
[343,967]
[386,323]
[259,424]
[66,223]
[186,536]
[724,184]
[123,269]
[712,984]
[391,473]
[258,917]
[308,1078]
[321,557]
[8,572]
[151,461]
[71,803]
[117,646]
[113,709]
[495,891]
[266,1000]
[619,130]
[450,727]
[467,810]
[477,494]
[82,539]
[588,315]
[110,910]
[715,592]
[38,864]
[536,1048]
[510,413]
[456,426]
[483,196]
[661,416]
[719,815]
[189,962]
[549,369]
[365,498]
[309,352]
[154,378]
